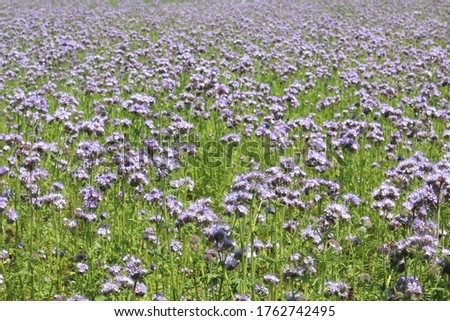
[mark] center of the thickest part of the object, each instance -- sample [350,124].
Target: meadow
[224,150]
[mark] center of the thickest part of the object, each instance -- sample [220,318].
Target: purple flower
[3,170]
[261,290]
[140,289]
[154,196]
[110,288]
[188,182]
[115,270]
[339,289]
[92,198]
[124,281]
[351,199]
[134,268]
[242,297]
[408,287]
[105,181]
[11,216]
[78,297]
[216,232]
[82,268]
[85,216]
[294,296]
[103,230]
[290,225]
[176,246]
[231,263]
[231,138]
[3,255]
[271,279]
[318,160]
[138,179]
[57,186]
[335,211]
[3,203]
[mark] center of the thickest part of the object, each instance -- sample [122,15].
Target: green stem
[243,284]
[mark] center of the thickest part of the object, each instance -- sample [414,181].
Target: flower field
[224,150]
